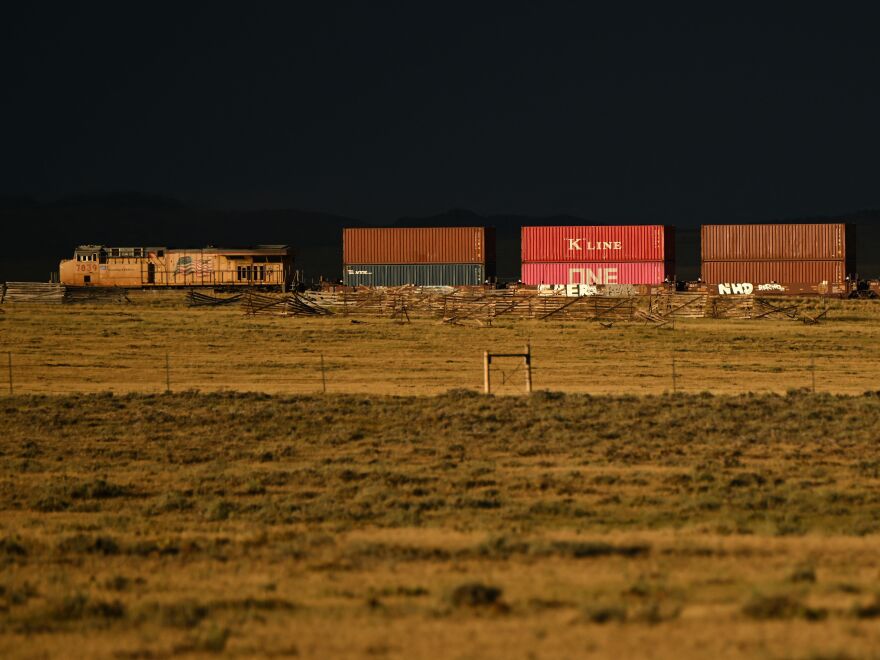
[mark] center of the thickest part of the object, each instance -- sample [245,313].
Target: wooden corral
[482,306]
[32,292]
[455,306]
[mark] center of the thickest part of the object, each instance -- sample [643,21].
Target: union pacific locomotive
[264,266]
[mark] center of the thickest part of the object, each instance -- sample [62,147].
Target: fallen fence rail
[197,299]
[256,304]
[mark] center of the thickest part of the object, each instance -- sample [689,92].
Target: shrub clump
[475,594]
[79,606]
[868,611]
[781,607]
[219,511]
[12,547]
[606,614]
[84,544]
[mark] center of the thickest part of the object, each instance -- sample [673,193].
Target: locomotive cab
[87,257]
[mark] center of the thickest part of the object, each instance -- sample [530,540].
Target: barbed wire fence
[30,373]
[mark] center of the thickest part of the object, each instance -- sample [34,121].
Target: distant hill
[38,235]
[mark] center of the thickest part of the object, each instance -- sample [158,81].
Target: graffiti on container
[577,290]
[620,290]
[351,271]
[590,246]
[773,286]
[592,275]
[736,288]
[552,289]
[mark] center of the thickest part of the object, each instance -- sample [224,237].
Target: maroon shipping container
[593,244]
[759,272]
[778,242]
[420,245]
[604,272]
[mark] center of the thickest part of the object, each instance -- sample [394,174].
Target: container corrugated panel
[628,272]
[777,242]
[417,274]
[599,243]
[780,272]
[417,245]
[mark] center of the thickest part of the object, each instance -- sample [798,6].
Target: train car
[422,256]
[778,258]
[266,266]
[603,255]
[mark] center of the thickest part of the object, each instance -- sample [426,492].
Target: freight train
[773,258]
[770,258]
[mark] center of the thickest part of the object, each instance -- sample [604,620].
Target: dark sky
[636,115]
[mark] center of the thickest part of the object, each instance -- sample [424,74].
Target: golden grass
[458,526]
[80,348]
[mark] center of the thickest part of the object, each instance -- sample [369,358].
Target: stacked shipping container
[783,254]
[637,254]
[424,256]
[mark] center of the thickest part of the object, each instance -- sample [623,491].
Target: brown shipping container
[778,242]
[598,243]
[759,272]
[419,245]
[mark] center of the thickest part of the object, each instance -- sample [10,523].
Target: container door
[151,273]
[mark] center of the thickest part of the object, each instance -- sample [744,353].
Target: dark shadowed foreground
[460,526]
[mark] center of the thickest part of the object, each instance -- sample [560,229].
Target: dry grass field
[99,348]
[280,522]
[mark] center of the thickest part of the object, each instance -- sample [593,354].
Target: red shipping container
[781,272]
[418,245]
[594,244]
[778,242]
[604,272]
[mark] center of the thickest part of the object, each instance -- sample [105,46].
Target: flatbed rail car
[262,266]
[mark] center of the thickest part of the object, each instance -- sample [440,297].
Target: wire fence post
[813,373]
[323,376]
[674,376]
[9,355]
[167,374]
[528,360]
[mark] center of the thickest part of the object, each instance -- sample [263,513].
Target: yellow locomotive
[268,266]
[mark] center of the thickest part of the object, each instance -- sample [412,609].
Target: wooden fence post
[486,389]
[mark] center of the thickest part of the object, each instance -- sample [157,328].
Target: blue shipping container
[416,274]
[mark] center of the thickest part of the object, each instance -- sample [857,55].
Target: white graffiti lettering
[592,276]
[771,287]
[736,288]
[578,290]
